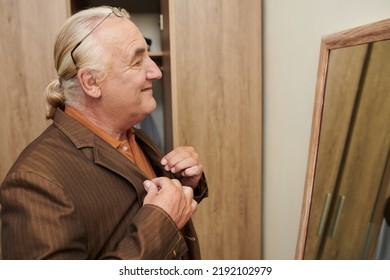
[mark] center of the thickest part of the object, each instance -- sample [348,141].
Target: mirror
[345,211]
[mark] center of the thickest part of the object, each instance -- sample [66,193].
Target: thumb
[150,187]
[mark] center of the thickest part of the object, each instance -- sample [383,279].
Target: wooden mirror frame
[377,31]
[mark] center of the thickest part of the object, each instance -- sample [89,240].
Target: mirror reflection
[353,150]
[348,202]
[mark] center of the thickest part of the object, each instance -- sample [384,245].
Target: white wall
[292,34]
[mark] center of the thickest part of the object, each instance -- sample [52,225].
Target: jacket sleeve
[152,235]
[40,221]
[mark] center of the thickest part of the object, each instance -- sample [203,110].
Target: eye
[138,62]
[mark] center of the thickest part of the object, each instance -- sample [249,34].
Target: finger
[176,183]
[191,204]
[177,155]
[188,192]
[160,181]
[183,164]
[150,187]
[171,155]
[192,171]
[194,206]
[164,182]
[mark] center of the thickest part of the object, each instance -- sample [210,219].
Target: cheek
[127,87]
[133,82]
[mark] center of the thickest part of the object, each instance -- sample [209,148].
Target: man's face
[127,89]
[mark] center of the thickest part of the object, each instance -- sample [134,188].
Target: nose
[153,72]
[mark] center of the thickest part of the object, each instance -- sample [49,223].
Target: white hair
[88,54]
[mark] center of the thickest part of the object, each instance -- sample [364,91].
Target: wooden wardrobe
[212,86]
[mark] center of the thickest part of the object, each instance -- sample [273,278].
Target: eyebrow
[139,51]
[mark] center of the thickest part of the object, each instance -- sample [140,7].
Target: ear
[88,82]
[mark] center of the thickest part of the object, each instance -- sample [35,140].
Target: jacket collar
[105,155]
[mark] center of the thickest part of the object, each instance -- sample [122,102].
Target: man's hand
[184,162]
[172,197]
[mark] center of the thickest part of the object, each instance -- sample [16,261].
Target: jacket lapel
[152,152]
[103,154]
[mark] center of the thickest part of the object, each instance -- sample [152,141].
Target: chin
[152,106]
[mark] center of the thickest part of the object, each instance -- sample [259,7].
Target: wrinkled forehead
[120,33]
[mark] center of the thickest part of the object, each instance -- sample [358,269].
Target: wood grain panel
[27,31]
[345,68]
[217,107]
[365,161]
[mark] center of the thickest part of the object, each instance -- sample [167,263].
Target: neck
[107,125]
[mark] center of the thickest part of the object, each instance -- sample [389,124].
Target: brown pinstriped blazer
[70,195]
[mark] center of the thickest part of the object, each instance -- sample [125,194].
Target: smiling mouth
[147,89]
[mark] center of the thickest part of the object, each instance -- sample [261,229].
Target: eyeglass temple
[89,33]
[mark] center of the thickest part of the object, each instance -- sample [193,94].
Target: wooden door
[27,32]
[215,68]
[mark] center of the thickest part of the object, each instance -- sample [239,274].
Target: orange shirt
[128,147]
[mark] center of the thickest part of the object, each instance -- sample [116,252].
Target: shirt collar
[99,132]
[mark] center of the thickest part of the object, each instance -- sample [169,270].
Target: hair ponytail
[54,98]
